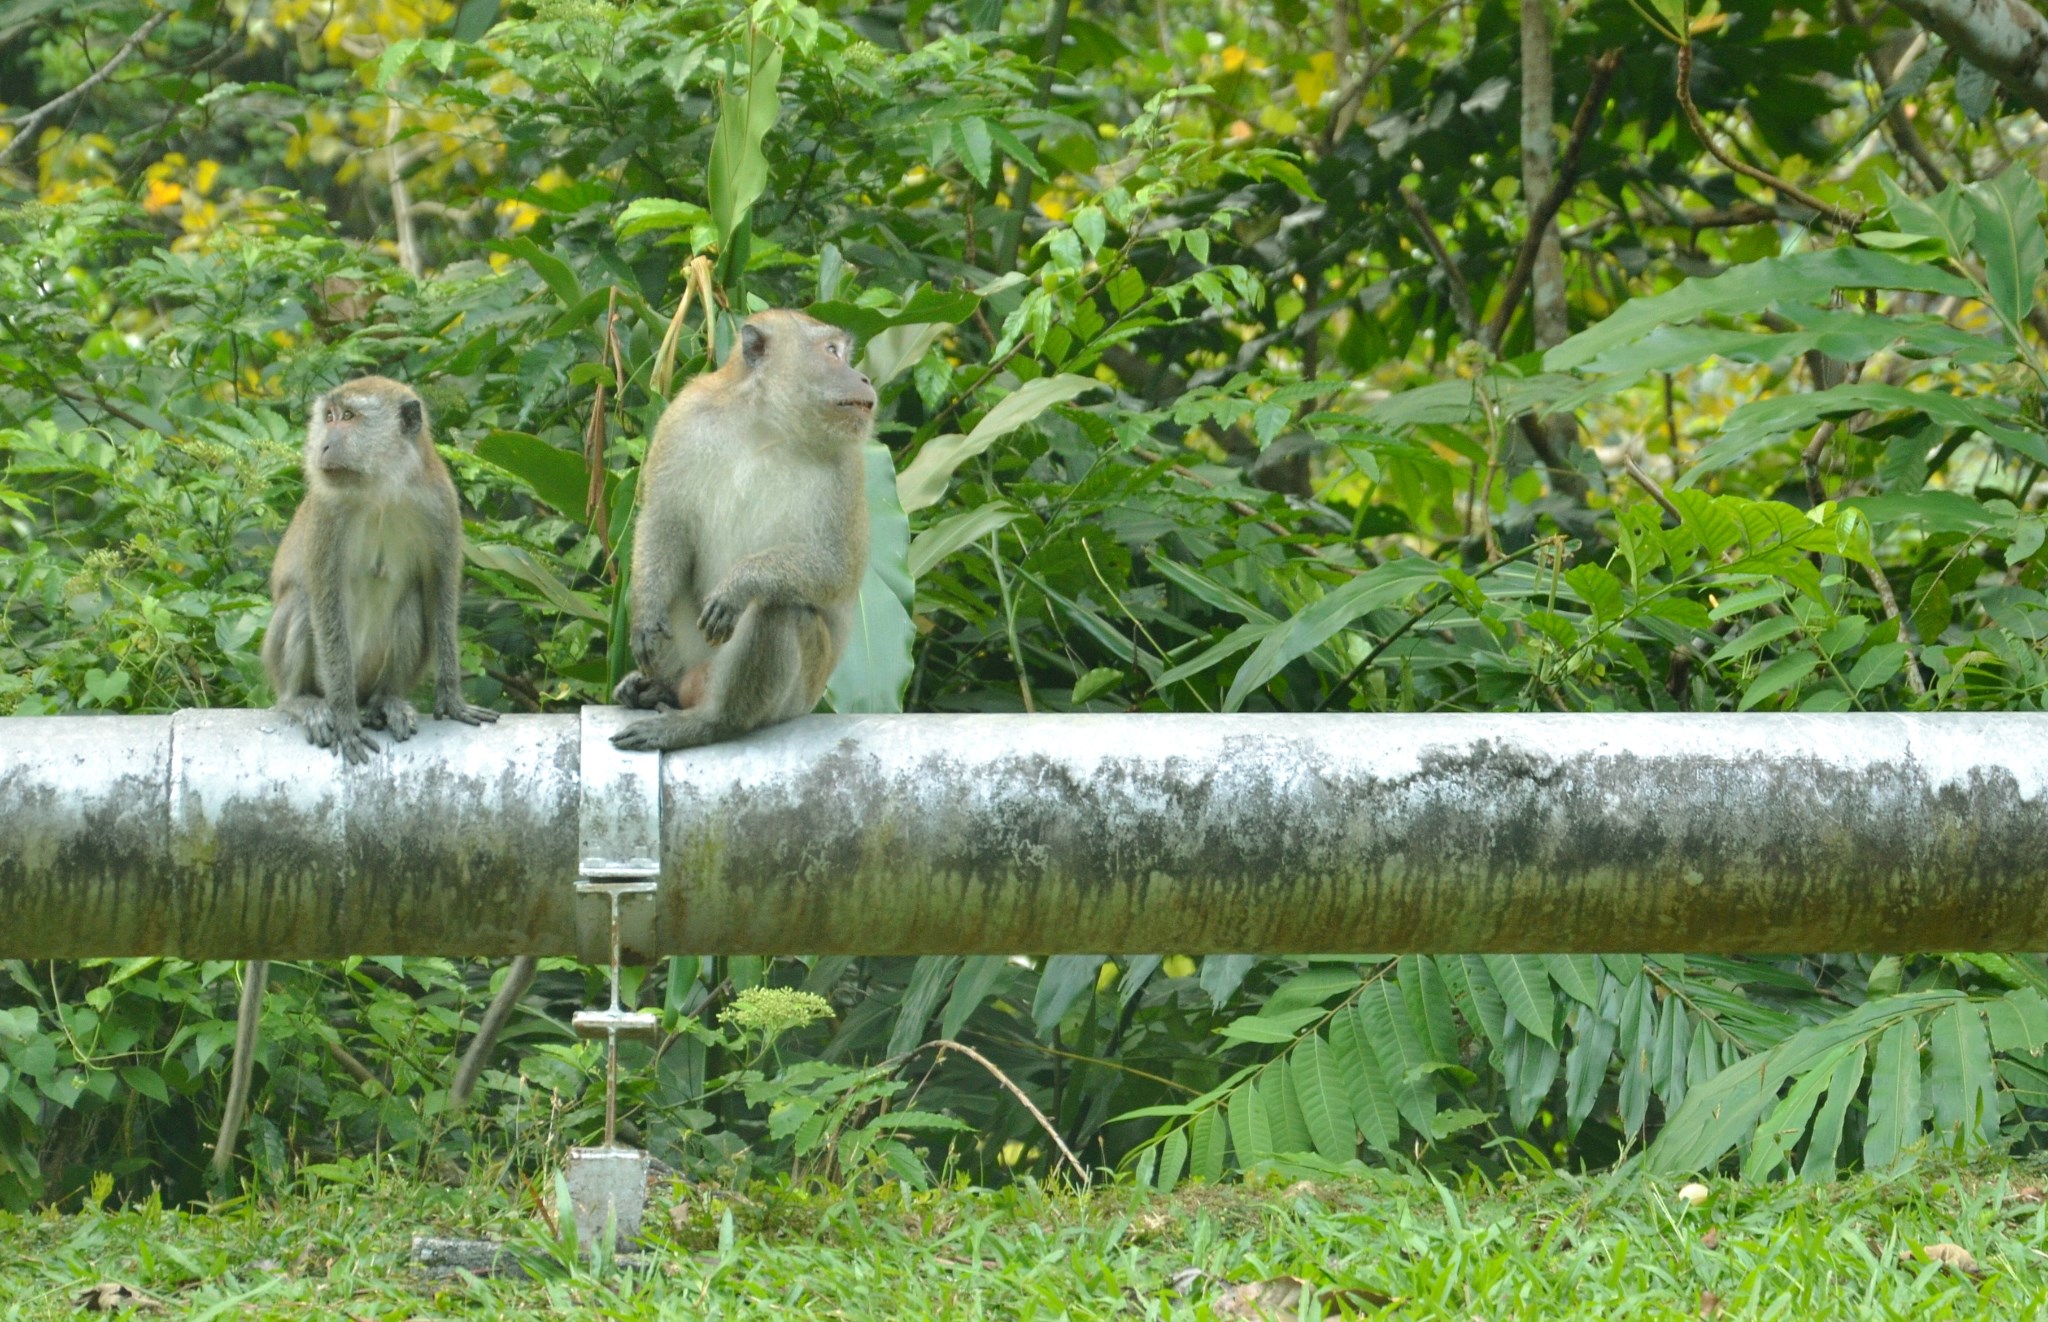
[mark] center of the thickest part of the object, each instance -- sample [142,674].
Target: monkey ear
[753,345]
[409,416]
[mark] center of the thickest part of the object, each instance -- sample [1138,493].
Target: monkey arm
[789,575]
[333,660]
[661,565]
[444,604]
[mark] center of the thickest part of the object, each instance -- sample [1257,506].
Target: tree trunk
[2007,39]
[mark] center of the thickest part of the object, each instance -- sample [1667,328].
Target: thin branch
[401,196]
[948,1044]
[1831,213]
[1649,484]
[1809,458]
[1546,210]
[1344,111]
[30,126]
[1907,638]
[362,1073]
[1461,293]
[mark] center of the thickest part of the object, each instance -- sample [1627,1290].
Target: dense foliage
[1219,372]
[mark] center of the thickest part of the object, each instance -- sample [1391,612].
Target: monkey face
[368,430]
[810,365]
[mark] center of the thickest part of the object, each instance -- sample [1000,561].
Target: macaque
[752,537]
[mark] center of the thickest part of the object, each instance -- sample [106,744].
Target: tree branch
[1833,214]
[2007,39]
[1461,293]
[1546,211]
[30,126]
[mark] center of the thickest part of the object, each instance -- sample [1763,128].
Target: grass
[1383,1243]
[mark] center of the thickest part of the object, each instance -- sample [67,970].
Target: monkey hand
[647,642]
[345,737]
[721,615]
[451,706]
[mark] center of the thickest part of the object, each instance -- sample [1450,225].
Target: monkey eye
[330,415]
[348,415]
[833,349]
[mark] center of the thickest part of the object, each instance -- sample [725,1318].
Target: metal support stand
[620,833]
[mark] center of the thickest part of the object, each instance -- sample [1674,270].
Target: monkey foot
[395,715]
[456,709]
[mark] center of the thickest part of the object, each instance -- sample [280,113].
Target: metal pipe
[222,834]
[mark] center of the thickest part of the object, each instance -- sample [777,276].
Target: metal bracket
[619,839]
[619,833]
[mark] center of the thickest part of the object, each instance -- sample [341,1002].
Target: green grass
[1550,1246]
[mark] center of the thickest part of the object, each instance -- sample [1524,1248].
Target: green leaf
[2019,1021]
[1063,978]
[1385,585]
[924,306]
[1391,1035]
[516,561]
[1585,1063]
[1208,1143]
[1780,1129]
[978,977]
[1429,1003]
[1251,1129]
[1481,1003]
[874,671]
[1944,217]
[1894,1123]
[1173,1159]
[1784,673]
[930,977]
[1843,1085]
[1365,1084]
[1525,989]
[955,531]
[974,147]
[923,481]
[1283,1109]
[1578,976]
[1223,974]
[1961,1082]
[559,477]
[553,271]
[1324,1107]
[1099,680]
[1877,666]
[146,1081]
[1809,277]
[1277,1029]
[643,214]
[1763,421]
[1638,1025]
[738,171]
[2007,211]
[1599,588]
[1758,636]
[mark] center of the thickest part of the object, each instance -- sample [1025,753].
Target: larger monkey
[752,536]
[367,583]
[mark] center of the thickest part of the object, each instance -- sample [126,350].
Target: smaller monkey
[368,578]
[752,536]
[367,583]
